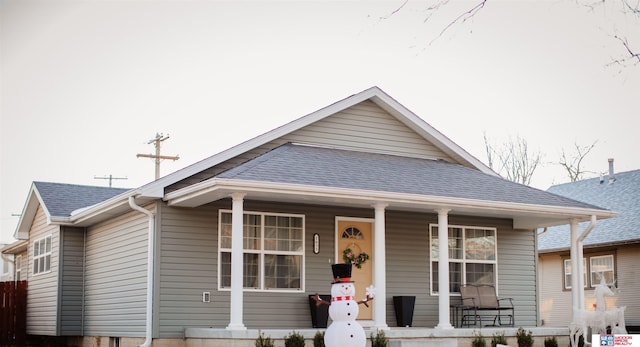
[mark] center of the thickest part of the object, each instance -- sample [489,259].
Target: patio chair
[480,302]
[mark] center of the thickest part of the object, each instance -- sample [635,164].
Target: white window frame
[593,282]
[262,252]
[588,269]
[567,284]
[463,261]
[18,268]
[44,255]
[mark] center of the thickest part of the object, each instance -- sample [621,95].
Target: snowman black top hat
[341,272]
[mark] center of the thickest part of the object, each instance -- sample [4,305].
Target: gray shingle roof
[623,196]
[61,199]
[326,167]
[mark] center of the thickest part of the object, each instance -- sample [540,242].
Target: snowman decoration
[344,330]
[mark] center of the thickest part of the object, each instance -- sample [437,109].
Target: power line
[156,142]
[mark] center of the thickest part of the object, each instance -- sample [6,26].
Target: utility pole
[156,142]
[110,178]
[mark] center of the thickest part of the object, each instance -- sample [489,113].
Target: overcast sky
[86,84]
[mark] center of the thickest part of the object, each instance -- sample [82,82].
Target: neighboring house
[611,249]
[14,255]
[6,270]
[271,214]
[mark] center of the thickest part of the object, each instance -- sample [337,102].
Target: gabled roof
[375,94]
[352,178]
[60,201]
[330,176]
[622,196]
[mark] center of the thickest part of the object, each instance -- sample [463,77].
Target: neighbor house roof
[622,196]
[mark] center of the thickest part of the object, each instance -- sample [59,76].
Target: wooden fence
[13,313]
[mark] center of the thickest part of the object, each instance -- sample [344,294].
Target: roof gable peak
[374,94]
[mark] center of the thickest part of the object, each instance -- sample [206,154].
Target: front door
[356,235]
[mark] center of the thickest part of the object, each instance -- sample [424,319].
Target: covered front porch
[398,337]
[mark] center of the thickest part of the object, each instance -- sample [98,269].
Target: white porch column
[380,268]
[444,319]
[237,263]
[579,253]
[576,264]
[580,270]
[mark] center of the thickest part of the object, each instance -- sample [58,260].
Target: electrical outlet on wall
[206,296]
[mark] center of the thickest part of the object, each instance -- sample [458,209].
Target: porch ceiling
[524,216]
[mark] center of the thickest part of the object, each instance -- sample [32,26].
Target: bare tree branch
[573,164]
[514,160]
[634,9]
[633,56]
[630,58]
[463,17]
[396,10]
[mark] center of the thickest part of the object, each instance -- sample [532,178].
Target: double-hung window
[601,267]
[568,272]
[472,256]
[42,255]
[273,251]
[595,268]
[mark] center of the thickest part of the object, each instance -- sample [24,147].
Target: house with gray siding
[611,250]
[237,242]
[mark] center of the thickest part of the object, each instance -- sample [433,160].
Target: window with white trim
[42,255]
[568,272]
[600,267]
[595,267]
[273,250]
[472,256]
[18,267]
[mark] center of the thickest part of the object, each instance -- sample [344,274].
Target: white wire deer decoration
[599,319]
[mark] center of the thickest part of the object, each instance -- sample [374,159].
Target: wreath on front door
[350,257]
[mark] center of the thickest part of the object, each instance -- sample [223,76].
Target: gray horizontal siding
[408,265]
[367,127]
[188,266]
[116,277]
[361,127]
[71,281]
[42,303]
[517,274]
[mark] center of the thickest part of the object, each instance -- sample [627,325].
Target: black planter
[319,313]
[404,310]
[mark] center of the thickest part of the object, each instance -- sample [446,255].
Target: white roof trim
[220,187]
[77,218]
[156,189]
[29,213]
